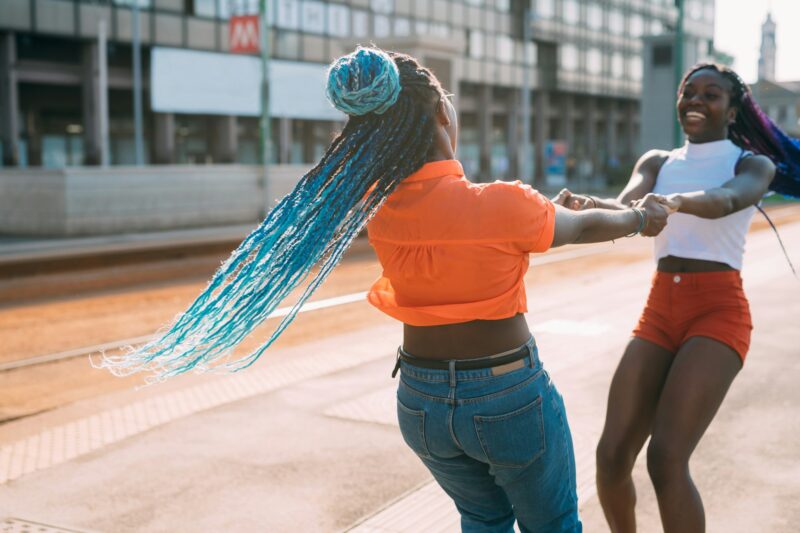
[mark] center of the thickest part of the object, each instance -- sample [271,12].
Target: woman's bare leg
[632,402]
[698,380]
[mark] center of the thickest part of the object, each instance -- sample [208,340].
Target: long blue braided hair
[390,100]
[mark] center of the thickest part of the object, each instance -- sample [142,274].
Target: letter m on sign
[243,35]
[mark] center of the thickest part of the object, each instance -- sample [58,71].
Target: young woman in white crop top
[694,333]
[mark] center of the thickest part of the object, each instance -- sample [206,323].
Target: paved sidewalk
[308,442]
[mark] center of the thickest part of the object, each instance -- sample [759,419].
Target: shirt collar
[436,169]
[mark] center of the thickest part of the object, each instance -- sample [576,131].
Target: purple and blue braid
[390,100]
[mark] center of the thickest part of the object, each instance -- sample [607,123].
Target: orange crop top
[454,251]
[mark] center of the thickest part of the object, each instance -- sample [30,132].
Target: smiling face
[704,106]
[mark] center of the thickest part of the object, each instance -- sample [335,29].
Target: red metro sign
[243,35]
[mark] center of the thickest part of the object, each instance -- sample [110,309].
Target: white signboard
[192,82]
[188,81]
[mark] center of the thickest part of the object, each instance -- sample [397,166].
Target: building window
[475,44]
[616,22]
[617,65]
[635,68]
[569,57]
[313,17]
[530,51]
[656,27]
[545,8]
[422,27]
[440,29]
[402,26]
[360,24]
[142,3]
[505,49]
[383,27]
[288,15]
[503,5]
[637,26]
[203,8]
[594,61]
[338,20]
[571,12]
[384,7]
[595,17]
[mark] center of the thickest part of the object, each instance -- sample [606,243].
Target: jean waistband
[489,361]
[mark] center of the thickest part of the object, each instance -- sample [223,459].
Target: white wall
[92,201]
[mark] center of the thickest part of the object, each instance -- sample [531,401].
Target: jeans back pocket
[514,439]
[412,427]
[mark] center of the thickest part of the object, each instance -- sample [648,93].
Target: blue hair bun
[366,81]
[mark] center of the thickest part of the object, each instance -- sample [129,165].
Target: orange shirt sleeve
[531,217]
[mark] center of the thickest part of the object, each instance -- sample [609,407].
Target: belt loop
[532,352]
[451,367]
[397,363]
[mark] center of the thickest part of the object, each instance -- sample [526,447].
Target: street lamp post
[527,174]
[265,135]
[137,86]
[679,35]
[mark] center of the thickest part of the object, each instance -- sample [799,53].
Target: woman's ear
[441,113]
[732,115]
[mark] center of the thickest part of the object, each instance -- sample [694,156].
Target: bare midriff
[671,263]
[466,340]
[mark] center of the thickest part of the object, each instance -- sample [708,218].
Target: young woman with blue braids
[474,402]
[694,333]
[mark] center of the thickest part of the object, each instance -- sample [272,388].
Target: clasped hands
[656,207]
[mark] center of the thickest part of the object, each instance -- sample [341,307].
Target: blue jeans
[499,445]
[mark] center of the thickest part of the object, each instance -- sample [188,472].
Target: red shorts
[702,304]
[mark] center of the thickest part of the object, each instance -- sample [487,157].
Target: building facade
[583,63]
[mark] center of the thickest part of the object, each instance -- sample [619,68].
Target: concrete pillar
[632,142]
[541,134]
[164,145]
[284,140]
[612,150]
[34,138]
[591,133]
[225,138]
[9,101]
[310,139]
[568,128]
[485,131]
[90,88]
[514,135]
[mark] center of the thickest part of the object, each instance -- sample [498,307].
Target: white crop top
[695,167]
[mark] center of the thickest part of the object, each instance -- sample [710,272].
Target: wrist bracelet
[594,201]
[642,221]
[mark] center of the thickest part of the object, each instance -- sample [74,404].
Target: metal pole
[265,134]
[679,34]
[102,91]
[137,87]
[527,174]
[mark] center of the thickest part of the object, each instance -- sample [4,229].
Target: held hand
[575,202]
[655,215]
[671,202]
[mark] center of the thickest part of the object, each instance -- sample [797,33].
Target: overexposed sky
[738,32]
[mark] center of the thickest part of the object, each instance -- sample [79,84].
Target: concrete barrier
[80,201]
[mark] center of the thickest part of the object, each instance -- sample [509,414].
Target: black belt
[465,364]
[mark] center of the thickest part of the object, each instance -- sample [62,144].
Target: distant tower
[766,63]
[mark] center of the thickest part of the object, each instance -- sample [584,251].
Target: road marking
[78,352]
